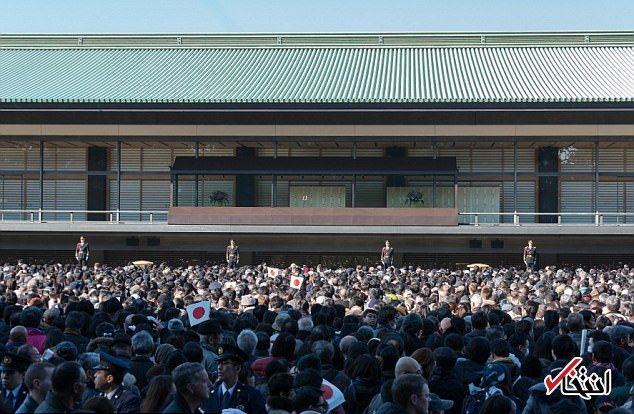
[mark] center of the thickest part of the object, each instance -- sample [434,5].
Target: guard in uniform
[82,251]
[232,255]
[387,255]
[228,392]
[529,256]
[109,375]
[13,391]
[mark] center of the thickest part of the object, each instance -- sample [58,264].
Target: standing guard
[13,391]
[387,255]
[529,256]
[232,255]
[228,392]
[82,251]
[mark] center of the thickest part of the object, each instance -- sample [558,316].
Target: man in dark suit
[38,381]
[192,389]
[72,332]
[109,380]
[13,391]
[228,392]
[141,362]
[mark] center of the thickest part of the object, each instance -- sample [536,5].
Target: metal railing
[82,216]
[597,218]
[160,217]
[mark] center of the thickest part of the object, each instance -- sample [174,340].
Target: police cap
[111,363]
[231,352]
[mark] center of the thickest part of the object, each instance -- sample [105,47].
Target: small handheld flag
[296,282]
[198,312]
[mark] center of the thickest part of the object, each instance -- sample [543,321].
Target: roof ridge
[309,39]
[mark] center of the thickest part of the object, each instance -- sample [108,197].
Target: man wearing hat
[437,404]
[109,380]
[210,333]
[13,391]
[620,338]
[247,303]
[175,326]
[228,392]
[66,350]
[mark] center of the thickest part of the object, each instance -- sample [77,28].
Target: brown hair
[99,405]
[487,292]
[424,357]
[158,391]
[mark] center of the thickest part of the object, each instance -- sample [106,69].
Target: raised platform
[157,241]
[288,216]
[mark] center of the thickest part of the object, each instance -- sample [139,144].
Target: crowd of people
[376,340]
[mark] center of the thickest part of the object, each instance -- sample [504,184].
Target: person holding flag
[273,271]
[198,312]
[296,281]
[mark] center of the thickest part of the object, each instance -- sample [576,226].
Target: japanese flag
[332,395]
[198,312]
[274,271]
[296,282]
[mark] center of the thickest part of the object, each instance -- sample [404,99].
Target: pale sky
[284,16]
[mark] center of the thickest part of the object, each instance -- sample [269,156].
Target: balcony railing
[81,216]
[597,218]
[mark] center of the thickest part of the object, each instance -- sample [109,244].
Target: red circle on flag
[199,312]
[327,391]
[296,282]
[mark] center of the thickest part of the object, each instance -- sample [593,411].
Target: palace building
[457,147]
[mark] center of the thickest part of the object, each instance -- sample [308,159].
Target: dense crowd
[357,340]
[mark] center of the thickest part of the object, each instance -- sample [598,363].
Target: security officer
[232,254]
[109,375]
[13,391]
[82,251]
[387,255]
[529,256]
[228,392]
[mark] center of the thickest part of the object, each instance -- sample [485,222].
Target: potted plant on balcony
[219,199]
[414,197]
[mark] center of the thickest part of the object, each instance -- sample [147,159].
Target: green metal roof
[325,74]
